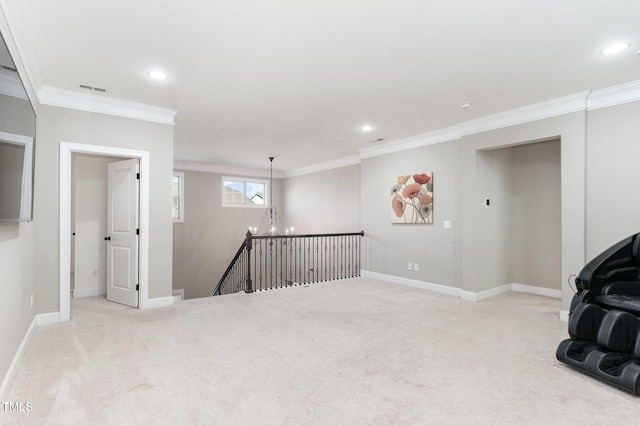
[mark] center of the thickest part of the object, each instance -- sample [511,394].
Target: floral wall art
[412,199]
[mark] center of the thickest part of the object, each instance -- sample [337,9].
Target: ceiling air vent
[95,89]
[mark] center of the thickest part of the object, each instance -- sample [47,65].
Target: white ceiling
[295,79]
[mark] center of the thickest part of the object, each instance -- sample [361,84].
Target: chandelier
[271,213]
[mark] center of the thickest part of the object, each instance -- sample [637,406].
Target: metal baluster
[289,259]
[280,242]
[324,259]
[343,257]
[249,243]
[294,259]
[333,257]
[349,256]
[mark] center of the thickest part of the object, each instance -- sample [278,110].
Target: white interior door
[122,232]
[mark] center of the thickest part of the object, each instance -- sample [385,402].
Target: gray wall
[17,116]
[536,215]
[18,280]
[207,240]
[495,225]
[613,173]
[520,230]
[59,124]
[18,248]
[570,129]
[29,251]
[389,247]
[323,202]
[477,254]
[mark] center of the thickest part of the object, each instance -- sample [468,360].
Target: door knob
[107,238]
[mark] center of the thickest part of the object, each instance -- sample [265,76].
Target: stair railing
[265,262]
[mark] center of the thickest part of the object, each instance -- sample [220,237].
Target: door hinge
[137,231]
[138,176]
[137,287]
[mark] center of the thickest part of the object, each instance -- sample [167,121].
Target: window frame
[180,176]
[244,181]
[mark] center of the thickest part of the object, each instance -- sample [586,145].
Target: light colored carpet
[348,352]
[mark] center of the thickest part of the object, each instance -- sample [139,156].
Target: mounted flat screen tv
[17,139]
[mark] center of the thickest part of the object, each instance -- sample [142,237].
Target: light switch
[446,224]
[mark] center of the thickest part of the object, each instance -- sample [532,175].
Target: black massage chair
[604,320]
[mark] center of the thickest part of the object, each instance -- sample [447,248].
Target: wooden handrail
[343,234]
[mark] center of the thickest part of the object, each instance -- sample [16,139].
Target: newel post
[249,244]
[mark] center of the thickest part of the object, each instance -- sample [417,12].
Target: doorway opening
[102,200]
[520,212]
[65,228]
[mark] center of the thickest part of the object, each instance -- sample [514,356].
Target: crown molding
[12,86]
[430,138]
[587,100]
[614,95]
[104,105]
[539,111]
[192,166]
[329,165]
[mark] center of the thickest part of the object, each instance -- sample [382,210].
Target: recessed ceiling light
[157,75]
[615,48]
[366,128]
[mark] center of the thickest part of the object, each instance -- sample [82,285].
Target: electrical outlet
[416,267]
[410,266]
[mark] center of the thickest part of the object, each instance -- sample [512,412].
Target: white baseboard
[48,319]
[540,291]
[485,294]
[89,292]
[519,288]
[158,302]
[437,288]
[463,294]
[38,320]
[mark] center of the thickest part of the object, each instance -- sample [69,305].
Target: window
[177,193]
[242,192]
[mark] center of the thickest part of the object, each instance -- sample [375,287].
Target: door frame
[64,237]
